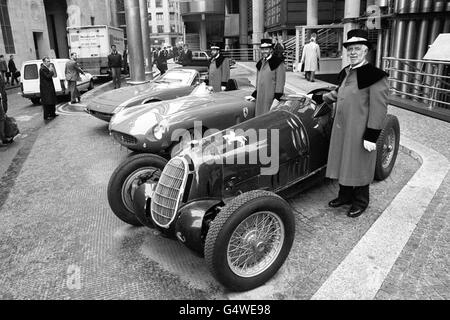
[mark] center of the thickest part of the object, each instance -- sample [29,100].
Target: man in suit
[72,72]
[185,56]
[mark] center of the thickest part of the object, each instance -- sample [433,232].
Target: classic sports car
[220,196]
[173,84]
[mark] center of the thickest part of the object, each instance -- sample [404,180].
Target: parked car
[200,60]
[173,84]
[234,214]
[30,79]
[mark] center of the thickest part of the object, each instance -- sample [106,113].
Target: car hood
[139,120]
[110,100]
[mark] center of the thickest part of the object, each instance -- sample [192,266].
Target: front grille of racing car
[124,138]
[169,192]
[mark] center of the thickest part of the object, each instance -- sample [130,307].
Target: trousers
[358,195]
[115,73]
[74,93]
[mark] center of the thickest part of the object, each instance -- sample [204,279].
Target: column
[352,9]
[135,48]
[243,28]
[203,40]
[258,26]
[312,13]
[145,36]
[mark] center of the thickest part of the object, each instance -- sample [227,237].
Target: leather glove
[250,98]
[370,146]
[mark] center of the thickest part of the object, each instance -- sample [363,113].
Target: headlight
[160,129]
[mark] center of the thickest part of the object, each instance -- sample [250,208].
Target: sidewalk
[405,255]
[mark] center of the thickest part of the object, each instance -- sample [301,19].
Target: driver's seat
[231,85]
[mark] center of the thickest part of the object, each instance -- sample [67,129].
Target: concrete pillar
[243,29]
[258,27]
[145,36]
[312,13]
[351,10]
[203,40]
[135,48]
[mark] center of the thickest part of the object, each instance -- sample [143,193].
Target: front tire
[249,240]
[387,148]
[127,177]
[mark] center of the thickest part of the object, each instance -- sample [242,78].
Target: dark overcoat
[270,81]
[46,86]
[360,113]
[219,72]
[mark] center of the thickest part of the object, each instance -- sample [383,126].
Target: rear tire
[387,148]
[249,240]
[129,175]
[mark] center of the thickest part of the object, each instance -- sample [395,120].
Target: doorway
[56,14]
[38,38]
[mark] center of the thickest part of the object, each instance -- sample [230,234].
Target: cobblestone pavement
[57,224]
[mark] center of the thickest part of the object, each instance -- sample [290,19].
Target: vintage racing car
[173,84]
[221,196]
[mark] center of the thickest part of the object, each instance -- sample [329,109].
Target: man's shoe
[338,202]
[355,212]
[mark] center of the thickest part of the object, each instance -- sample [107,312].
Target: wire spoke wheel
[255,244]
[389,148]
[149,175]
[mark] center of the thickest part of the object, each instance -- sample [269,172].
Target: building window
[172,16]
[6,28]
[159,17]
[160,29]
[92,21]
[149,17]
[172,28]
[158,3]
[171,4]
[150,29]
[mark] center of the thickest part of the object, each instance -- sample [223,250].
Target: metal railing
[423,81]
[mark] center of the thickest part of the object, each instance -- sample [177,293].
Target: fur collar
[219,61]
[274,62]
[367,75]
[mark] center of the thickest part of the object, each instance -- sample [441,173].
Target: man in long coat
[270,80]
[219,69]
[47,89]
[310,58]
[359,117]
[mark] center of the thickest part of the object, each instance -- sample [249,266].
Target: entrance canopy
[440,49]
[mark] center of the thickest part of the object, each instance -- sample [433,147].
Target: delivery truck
[93,45]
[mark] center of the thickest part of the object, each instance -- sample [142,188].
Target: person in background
[115,65]
[311,58]
[218,70]
[3,68]
[2,116]
[13,70]
[72,72]
[359,117]
[47,89]
[161,62]
[185,56]
[3,96]
[270,80]
[278,49]
[126,61]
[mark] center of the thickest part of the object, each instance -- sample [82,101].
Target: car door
[30,79]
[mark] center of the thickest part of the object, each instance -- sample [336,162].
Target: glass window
[160,29]
[172,28]
[6,27]
[30,72]
[159,17]
[158,3]
[149,17]
[150,29]
[172,16]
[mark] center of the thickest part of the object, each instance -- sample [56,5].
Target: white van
[30,79]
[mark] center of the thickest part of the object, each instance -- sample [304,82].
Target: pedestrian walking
[311,58]
[47,89]
[359,117]
[185,56]
[270,80]
[3,68]
[218,70]
[278,48]
[13,70]
[115,65]
[72,72]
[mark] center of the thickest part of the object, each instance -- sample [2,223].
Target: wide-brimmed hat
[357,36]
[266,43]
